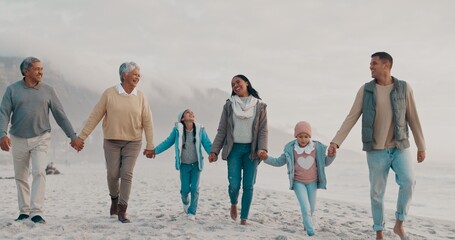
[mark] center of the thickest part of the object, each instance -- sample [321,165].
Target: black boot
[114,209]
[122,213]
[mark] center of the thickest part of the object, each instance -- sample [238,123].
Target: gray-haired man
[26,104]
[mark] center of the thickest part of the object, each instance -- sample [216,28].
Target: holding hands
[77,144]
[332,150]
[262,154]
[212,157]
[149,153]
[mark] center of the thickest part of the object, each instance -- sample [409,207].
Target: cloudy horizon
[306,58]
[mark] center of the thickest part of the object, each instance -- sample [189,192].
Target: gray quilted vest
[398,100]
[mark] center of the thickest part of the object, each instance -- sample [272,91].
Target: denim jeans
[239,161]
[189,183]
[34,150]
[306,195]
[379,164]
[120,158]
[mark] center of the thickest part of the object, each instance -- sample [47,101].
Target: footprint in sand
[288,230]
[212,228]
[281,237]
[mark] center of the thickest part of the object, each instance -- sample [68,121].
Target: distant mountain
[75,99]
[79,101]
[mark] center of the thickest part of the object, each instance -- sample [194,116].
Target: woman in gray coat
[242,134]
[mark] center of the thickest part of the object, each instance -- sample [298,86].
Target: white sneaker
[185,207]
[191,217]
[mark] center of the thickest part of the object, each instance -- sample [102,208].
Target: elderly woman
[126,115]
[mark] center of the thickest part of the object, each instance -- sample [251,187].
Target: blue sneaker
[38,219]
[310,233]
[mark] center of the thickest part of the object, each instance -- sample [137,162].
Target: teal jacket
[322,160]
[174,138]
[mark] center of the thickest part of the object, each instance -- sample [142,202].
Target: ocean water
[434,195]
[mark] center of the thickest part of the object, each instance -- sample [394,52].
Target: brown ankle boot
[114,209]
[234,212]
[122,213]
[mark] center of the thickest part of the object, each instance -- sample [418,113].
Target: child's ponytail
[184,134]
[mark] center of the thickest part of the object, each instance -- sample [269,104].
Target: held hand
[149,153]
[420,156]
[5,143]
[262,154]
[77,144]
[332,150]
[212,157]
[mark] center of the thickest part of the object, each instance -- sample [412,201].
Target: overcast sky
[306,58]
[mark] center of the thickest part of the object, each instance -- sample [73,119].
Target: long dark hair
[184,132]
[249,87]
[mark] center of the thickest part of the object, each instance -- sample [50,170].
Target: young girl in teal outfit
[306,160]
[188,137]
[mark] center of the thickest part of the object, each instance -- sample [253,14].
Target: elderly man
[126,115]
[27,103]
[387,107]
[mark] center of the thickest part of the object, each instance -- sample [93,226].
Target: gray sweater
[225,139]
[28,109]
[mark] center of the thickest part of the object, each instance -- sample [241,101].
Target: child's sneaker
[310,232]
[191,217]
[185,207]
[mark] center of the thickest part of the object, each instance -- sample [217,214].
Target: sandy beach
[306,58]
[77,207]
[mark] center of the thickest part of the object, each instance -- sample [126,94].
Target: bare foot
[234,212]
[243,222]
[399,230]
[379,235]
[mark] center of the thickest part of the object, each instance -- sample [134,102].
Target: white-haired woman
[126,114]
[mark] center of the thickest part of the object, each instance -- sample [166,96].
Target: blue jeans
[306,195]
[237,161]
[379,164]
[189,182]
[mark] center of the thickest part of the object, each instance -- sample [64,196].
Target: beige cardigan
[125,117]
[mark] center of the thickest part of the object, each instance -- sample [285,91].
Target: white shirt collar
[121,91]
[307,149]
